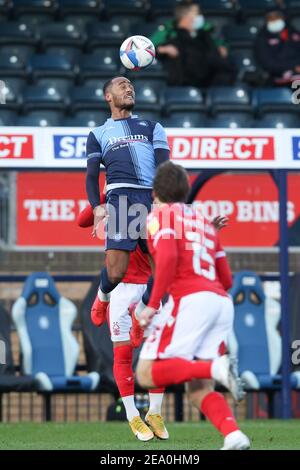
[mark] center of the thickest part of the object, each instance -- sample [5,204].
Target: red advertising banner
[49,203]
[16,146]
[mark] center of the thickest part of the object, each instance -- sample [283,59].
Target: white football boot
[224,371]
[236,440]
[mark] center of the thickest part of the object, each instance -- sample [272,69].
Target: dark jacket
[278,53]
[198,59]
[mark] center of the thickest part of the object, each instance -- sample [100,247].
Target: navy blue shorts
[126,224]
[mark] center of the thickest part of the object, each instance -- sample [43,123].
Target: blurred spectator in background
[277,48]
[188,51]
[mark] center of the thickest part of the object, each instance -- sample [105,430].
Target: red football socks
[123,372]
[176,371]
[216,409]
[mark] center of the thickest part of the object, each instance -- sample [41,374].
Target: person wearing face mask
[277,48]
[188,51]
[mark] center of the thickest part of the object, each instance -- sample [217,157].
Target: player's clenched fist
[99,216]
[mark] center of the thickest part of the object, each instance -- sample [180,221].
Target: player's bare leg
[216,409]
[116,265]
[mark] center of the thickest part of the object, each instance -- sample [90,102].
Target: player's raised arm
[94,155]
[160,145]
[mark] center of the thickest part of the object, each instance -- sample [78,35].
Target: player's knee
[116,275]
[143,374]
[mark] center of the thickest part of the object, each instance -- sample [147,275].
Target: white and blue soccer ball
[137,52]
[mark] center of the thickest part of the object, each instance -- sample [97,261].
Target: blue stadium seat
[256,341]
[61,34]
[121,7]
[105,33]
[80,7]
[47,65]
[150,115]
[41,118]
[87,97]
[16,33]
[50,351]
[100,64]
[34,6]
[240,35]
[12,65]
[44,97]
[159,8]
[278,121]
[7,117]
[245,62]
[217,7]
[232,120]
[183,99]
[274,100]
[70,52]
[5,7]
[255,7]
[13,92]
[64,84]
[147,98]
[226,99]
[186,120]
[86,119]
[155,71]
[19,50]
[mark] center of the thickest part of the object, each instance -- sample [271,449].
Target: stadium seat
[159,8]
[255,7]
[44,320]
[44,97]
[240,35]
[227,99]
[18,50]
[87,97]
[86,119]
[121,7]
[245,62]
[232,120]
[274,100]
[80,7]
[12,65]
[9,381]
[156,71]
[64,84]
[41,118]
[150,115]
[16,33]
[185,120]
[13,92]
[7,117]
[278,121]
[105,34]
[50,65]
[61,34]
[218,7]
[34,6]
[100,64]
[146,97]
[183,99]
[256,341]
[293,6]
[70,52]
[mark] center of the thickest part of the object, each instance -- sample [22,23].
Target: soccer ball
[137,52]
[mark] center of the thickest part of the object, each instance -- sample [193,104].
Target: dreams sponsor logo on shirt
[127,138]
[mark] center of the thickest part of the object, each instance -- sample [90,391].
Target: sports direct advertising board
[193,148]
[48,202]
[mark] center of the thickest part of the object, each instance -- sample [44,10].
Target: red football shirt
[185,248]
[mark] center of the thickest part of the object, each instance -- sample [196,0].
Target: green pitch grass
[108,436]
